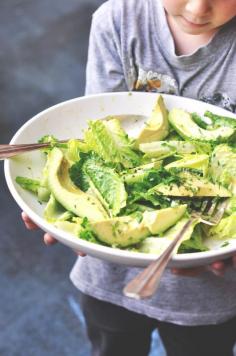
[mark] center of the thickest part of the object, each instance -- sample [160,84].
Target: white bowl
[67,120]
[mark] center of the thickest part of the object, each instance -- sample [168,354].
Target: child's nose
[198,7]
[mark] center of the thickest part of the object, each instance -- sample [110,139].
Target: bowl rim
[63,235]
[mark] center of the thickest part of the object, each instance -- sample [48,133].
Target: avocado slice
[127,230]
[156,245]
[192,186]
[121,231]
[54,211]
[139,173]
[195,161]
[157,126]
[158,221]
[66,193]
[171,233]
[71,227]
[162,149]
[183,123]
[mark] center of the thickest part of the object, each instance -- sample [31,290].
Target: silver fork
[145,284]
[7,151]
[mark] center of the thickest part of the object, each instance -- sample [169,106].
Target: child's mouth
[191,24]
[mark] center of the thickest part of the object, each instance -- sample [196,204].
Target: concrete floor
[42,62]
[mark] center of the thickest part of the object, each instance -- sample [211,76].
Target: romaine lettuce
[92,173]
[108,139]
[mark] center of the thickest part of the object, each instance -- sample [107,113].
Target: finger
[80,253]
[188,272]
[218,268]
[30,225]
[49,240]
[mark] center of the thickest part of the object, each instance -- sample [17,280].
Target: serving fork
[145,284]
[11,150]
[8,150]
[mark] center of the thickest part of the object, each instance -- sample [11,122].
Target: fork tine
[204,205]
[215,212]
[212,207]
[220,211]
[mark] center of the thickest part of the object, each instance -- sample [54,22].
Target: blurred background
[43,55]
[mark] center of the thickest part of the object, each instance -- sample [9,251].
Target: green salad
[137,193]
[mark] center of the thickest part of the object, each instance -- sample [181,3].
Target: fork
[7,151]
[145,284]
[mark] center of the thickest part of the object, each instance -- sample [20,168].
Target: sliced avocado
[127,230]
[162,149]
[55,211]
[195,161]
[120,231]
[192,186]
[158,221]
[73,228]
[183,123]
[67,194]
[157,126]
[200,121]
[172,232]
[139,173]
[155,245]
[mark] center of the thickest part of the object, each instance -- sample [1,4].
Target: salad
[136,193]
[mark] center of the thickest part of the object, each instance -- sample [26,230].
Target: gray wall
[43,50]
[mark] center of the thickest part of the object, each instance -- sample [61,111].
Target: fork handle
[145,284]
[16,150]
[7,151]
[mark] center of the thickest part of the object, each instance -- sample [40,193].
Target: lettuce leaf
[91,173]
[223,166]
[195,243]
[74,147]
[218,120]
[53,142]
[225,229]
[111,143]
[142,188]
[34,186]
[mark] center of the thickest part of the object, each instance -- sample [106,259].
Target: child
[184,48]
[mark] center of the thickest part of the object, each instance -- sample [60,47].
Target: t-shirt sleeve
[104,71]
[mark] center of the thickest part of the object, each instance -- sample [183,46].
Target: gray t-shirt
[131,48]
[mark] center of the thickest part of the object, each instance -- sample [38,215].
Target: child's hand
[48,239]
[218,268]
